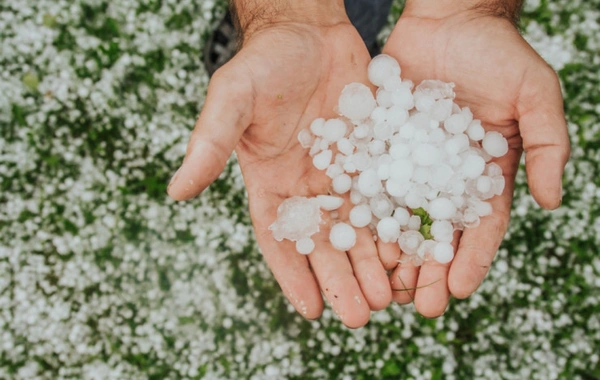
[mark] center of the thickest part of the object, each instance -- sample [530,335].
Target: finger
[545,139]
[369,271]
[226,113]
[478,246]
[291,269]
[389,254]
[432,294]
[403,282]
[336,278]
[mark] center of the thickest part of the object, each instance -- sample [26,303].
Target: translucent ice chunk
[381,206]
[297,217]
[409,241]
[305,138]
[436,89]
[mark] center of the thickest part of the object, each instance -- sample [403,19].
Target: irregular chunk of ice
[356,101]
[297,217]
[414,223]
[426,248]
[381,206]
[305,138]
[436,89]
[409,241]
[342,236]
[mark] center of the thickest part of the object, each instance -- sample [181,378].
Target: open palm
[284,77]
[513,91]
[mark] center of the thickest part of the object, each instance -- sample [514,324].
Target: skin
[257,104]
[513,91]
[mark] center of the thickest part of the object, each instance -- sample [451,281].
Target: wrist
[254,15]
[439,9]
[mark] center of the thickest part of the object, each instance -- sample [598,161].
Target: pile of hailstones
[416,165]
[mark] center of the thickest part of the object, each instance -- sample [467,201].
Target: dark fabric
[368,17]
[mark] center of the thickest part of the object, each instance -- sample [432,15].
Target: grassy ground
[103,277]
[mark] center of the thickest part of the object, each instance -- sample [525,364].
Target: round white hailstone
[441,208]
[334,130]
[334,170]
[384,98]
[401,170]
[381,68]
[397,188]
[475,131]
[421,136]
[443,252]
[383,131]
[455,161]
[426,155]
[398,151]
[495,144]
[360,216]
[414,223]
[396,116]
[437,135]
[456,124]
[349,167]
[356,101]
[305,138]
[377,147]
[305,245]
[388,229]
[402,216]
[409,241]
[441,175]
[470,218]
[345,146]
[324,144]
[425,248]
[473,166]
[423,102]
[322,160]
[379,114]
[403,97]
[356,197]
[342,183]
[442,230]
[329,202]
[361,131]
[297,217]
[392,83]
[342,236]
[316,127]
[383,171]
[369,183]
[441,110]
[484,184]
[362,160]
[498,184]
[381,206]
[458,200]
[407,131]
[421,175]
[456,186]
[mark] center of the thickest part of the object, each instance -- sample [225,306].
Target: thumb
[226,114]
[545,138]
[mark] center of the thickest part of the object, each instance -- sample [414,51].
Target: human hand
[289,71]
[513,91]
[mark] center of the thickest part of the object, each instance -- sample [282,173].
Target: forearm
[253,15]
[509,9]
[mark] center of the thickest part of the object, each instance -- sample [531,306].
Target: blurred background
[103,277]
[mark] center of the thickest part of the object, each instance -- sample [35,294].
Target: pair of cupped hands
[291,70]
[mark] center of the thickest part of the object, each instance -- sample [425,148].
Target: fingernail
[173,179]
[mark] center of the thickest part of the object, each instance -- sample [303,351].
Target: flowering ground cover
[103,277]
